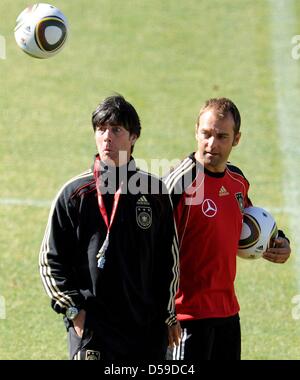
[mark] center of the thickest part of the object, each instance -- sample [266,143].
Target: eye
[116,130]
[205,134]
[222,137]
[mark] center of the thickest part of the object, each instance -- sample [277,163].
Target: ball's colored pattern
[258,231]
[41,30]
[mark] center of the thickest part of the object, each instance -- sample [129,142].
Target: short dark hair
[223,106]
[115,110]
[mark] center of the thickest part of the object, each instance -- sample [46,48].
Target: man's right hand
[78,322]
[174,334]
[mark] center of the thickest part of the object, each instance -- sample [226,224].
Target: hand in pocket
[78,323]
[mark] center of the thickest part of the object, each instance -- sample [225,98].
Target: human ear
[236,139]
[133,139]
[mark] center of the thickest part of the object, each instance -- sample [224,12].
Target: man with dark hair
[209,196]
[109,258]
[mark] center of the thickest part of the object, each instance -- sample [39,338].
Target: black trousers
[112,345]
[209,339]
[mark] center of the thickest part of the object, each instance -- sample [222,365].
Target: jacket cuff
[76,300]
[171,320]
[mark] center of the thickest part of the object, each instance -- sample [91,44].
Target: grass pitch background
[166,57]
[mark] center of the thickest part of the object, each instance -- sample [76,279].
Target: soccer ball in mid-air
[41,30]
[258,233]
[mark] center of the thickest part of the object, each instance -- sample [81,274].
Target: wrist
[72,312]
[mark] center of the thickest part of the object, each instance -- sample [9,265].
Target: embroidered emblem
[209,208]
[92,355]
[143,213]
[223,191]
[240,199]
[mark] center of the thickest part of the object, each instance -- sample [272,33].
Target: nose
[211,141]
[107,134]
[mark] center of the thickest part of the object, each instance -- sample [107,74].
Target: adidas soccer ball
[258,232]
[41,30]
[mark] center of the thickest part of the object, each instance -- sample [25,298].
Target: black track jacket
[137,286]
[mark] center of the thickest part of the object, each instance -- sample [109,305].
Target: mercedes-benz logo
[209,208]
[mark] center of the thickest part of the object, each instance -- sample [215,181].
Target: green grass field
[166,57]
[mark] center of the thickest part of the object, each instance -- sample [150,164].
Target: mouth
[107,150]
[211,154]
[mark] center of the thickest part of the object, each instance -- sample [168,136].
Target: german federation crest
[92,355]
[143,213]
[240,199]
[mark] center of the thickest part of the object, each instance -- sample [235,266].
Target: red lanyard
[114,208]
[102,251]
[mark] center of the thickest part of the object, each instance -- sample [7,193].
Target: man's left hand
[280,252]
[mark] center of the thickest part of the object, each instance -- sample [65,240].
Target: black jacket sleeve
[168,267]
[57,254]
